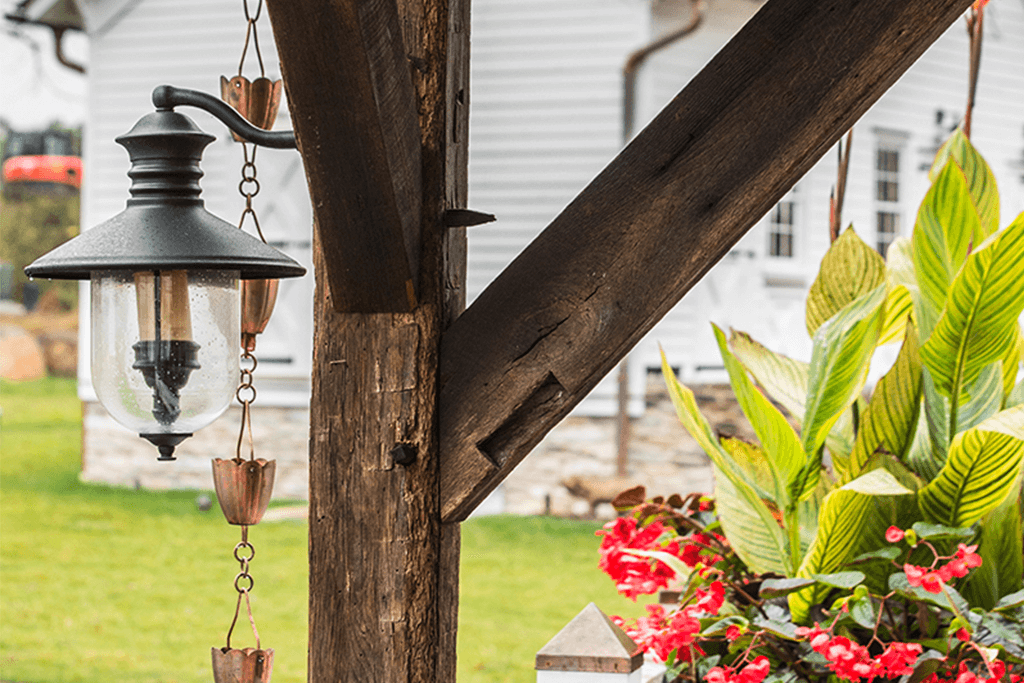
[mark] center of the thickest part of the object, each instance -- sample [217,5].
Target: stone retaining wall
[662,456]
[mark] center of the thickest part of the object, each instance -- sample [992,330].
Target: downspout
[630,71]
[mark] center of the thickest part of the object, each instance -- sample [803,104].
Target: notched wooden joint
[403,454]
[518,431]
[464,218]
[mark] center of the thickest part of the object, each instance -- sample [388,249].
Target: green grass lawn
[102,584]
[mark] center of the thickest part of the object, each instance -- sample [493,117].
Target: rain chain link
[244,577]
[246,394]
[252,32]
[244,486]
[249,187]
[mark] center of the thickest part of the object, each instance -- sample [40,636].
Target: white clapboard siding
[764,295]
[545,118]
[135,46]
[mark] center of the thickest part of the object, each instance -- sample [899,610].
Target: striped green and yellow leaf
[749,524]
[1002,554]
[982,466]
[785,381]
[891,415]
[840,359]
[979,322]
[980,180]
[946,222]
[849,270]
[844,531]
[898,305]
[841,523]
[779,442]
[784,378]
[1011,365]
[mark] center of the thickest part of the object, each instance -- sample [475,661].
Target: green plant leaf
[885,511]
[899,270]
[985,398]
[722,625]
[996,631]
[779,442]
[887,554]
[1002,554]
[670,560]
[840,579]
[879,482]
[922,457]
[863,612]
[783,378]
[1011,365]
[942,236]
[808,510]
[898,305]
[898,582]
[927,531]
[892,412]
[981,182]
[1011,601]
[751,461]
[840,523]
[840,359]
[979,323]
[775,588]
[1016,396]
[981,469]
[785,381]
[750,526]
[899,264]
[849,270]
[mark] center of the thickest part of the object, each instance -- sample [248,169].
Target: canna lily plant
[940,441]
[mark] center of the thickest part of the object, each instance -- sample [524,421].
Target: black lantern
[165,294]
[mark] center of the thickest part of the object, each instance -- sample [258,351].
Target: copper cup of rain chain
[243,488]
[258,299]
[257,101]
[242,666]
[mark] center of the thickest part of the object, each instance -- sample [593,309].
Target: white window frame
[889,186]
[778,228]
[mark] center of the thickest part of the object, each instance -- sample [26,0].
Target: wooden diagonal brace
[719,156]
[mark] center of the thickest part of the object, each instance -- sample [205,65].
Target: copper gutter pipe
[629,76]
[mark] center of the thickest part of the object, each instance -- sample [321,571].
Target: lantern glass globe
[165,347]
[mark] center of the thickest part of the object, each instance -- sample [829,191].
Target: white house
[546,116]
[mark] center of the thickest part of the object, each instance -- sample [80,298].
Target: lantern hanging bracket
[167,97]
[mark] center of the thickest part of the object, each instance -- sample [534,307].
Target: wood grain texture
[354,110]
[627,249]
[383,580]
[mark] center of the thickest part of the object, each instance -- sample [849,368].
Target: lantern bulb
[165,349]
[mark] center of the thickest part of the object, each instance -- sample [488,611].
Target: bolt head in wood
[403,454]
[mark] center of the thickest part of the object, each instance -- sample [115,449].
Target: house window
[780,229]
[887,191]
[888,230]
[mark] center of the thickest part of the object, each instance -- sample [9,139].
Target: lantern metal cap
[165,225]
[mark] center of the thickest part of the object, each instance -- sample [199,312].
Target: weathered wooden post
[377,91]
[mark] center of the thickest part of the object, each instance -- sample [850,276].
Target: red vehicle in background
[45,161]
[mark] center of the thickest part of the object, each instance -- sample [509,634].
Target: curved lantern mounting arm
[168,97]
